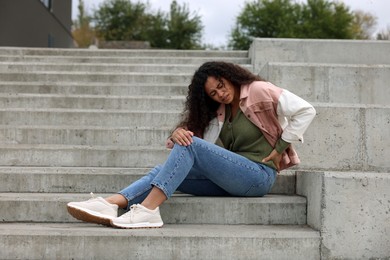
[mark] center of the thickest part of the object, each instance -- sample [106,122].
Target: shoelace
[92,196]
[130,214]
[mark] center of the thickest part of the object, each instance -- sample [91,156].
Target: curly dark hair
[199,107]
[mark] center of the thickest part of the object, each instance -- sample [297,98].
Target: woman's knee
[194,145]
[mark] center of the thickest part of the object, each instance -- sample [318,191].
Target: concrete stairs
[79,121]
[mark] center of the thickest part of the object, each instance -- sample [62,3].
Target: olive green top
[241,136]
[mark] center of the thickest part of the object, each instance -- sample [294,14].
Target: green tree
[325,20]
[122,20]
[157,33]
[83,33]
[363,25]
[264,18]
[384,34]
[184,30]
[289,19]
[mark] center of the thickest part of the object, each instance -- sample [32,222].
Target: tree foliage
[83,33]
[363,25]
[123,20]
[264,18]
[321,19]
[384,34]
[184,31]
[325,20]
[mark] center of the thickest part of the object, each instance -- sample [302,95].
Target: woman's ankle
[117,199]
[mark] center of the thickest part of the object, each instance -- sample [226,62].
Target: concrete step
[120,53]
[88,117]
[87,241]
[81,155]
[265,50]
[84,135]
[180,209]
[94,179]
[341,137]
[49,101]
[96,68]
[335,83]
[196,61]
[94,88]
[360,197]
[84,77]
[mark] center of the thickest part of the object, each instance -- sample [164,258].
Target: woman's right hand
[182,136]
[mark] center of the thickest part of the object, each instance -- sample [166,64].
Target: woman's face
[220,90]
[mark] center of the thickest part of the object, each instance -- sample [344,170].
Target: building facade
[36,23]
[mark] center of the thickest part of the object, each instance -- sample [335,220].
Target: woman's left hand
[275,157]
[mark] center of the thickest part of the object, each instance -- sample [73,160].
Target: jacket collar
[244,91]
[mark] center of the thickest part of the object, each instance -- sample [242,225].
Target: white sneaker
[139,217]
[95,210]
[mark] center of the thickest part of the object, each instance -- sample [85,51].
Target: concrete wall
[351,210]
[319,51]
[345,166]
[31,24]
[347,137]
[334,83]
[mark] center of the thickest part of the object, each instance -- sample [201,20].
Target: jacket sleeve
[169,143]
[295,115]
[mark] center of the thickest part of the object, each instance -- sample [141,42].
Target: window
[47,3]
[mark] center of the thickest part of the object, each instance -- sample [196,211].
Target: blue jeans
[204,169]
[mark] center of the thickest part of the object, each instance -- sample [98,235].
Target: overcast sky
[218,16]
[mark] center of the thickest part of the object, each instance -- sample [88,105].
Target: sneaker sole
[137,226]
[89,217]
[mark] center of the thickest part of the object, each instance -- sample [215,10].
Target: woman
[252,121]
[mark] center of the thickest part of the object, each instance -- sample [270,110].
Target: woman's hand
[275,157]
[182,136]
